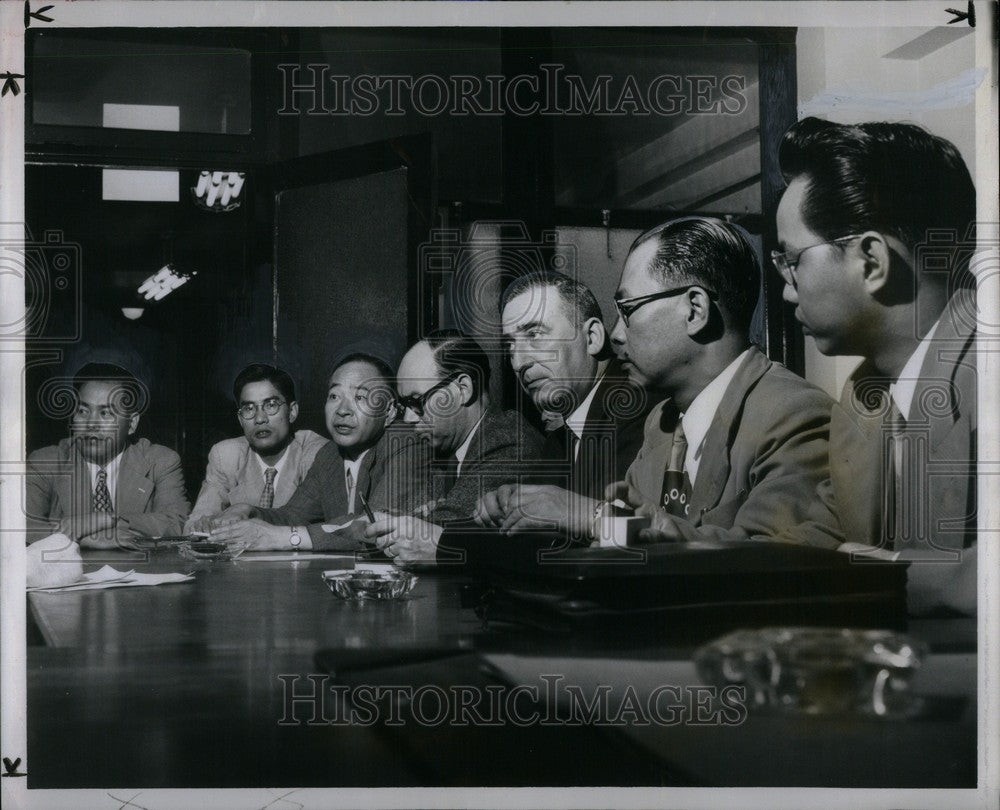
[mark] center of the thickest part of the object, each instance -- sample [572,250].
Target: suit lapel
[250,480]
[856,456]
[134,489]
[713,469]
[286,481]
[74,487]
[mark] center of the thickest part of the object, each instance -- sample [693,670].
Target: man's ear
[464,382]
[293,412]
[133,423]
[699,310]
[876,254]
[597,336]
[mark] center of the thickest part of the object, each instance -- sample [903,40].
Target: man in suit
[560,352]
[737,450]
[444,386]
[875,231]
[265,465]
[101,486]
[360,406]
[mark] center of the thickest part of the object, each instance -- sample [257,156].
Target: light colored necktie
[676,494]
[267,496]
[349,480]
[102,495]
[895,490]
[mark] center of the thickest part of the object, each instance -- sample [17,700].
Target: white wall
[849,75]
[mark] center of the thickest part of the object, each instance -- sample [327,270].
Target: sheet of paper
[108,577]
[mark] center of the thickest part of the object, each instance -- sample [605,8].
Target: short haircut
[129,394]
[894,178]
[575,294]
[712,254]
[261,372]
[455,352]
[384,370]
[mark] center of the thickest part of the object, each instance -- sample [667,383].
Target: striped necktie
[102,495]
[267,496]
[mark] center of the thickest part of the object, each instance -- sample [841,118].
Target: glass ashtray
[369,584]
[212,549]
[817,670]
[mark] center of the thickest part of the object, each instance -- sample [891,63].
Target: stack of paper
[108,577]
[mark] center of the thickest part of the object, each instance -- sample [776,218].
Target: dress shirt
[698,417]
[111,468]
[577,420]
[903,388]
[277,466]
[354,468]
[461,452]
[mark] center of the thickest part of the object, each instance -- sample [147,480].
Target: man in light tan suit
[265,465]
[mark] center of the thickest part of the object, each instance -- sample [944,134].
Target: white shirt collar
[111,468]
[278,465]
[697,419]
[461,452]
[577,420]
[903,389]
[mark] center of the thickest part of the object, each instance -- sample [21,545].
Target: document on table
[108,577]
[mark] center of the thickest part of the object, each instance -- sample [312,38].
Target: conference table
[213,682]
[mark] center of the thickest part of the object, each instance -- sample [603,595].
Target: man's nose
[519,359]
[344,408]
[261,417]
[618,332]
[790,294]
[410,416]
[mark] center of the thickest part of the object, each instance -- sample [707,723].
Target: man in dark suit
[875,232]
[359,408]
[101,486]
[737,450]
[444,385]
[560,352]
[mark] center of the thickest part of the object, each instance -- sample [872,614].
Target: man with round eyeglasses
[266,465]
[875,230]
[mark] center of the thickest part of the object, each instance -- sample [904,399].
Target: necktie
[102,495]
[894,490]
[267,496]
[445,474]
[349,481]
[676,494]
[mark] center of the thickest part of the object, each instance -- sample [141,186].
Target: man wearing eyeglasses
[737,450]
[875,235]
[444,386]
[102,485]
[266,465]
[346,474]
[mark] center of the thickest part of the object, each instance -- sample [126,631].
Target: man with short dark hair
[875,230]
[360,405]
[101,485]
[267,463]
[444,386]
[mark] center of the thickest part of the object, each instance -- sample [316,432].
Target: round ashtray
[369,584]
[212,549]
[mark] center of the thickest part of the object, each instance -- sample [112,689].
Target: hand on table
[260,535]
[235,513]
[94,529]
[405,538]
[492,508]
[662,527]
[532,506]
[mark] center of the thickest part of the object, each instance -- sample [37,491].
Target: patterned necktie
[349,481]
[676,493]
[894,491]
[267,496]
[102,495]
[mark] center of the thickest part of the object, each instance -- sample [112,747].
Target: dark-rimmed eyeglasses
[627,306]
[417,402]
[786,263]
[248,410]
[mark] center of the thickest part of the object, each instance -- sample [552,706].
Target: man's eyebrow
[527,327]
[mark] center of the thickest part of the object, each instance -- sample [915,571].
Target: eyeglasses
[417,402]
[627,306]
[248,410]
[785,263]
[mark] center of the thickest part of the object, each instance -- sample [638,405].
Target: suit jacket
[322,495]
[764,455]
[943,492]
[504,448]
[612,436]
[149,492]
[234,474]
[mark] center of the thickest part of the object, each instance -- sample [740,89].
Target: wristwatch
[294,539]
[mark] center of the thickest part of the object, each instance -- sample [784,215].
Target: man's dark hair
[575,294]
[455,352]
[384,370]
[709,253]
[261,372]
[894,178]
[129,395]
